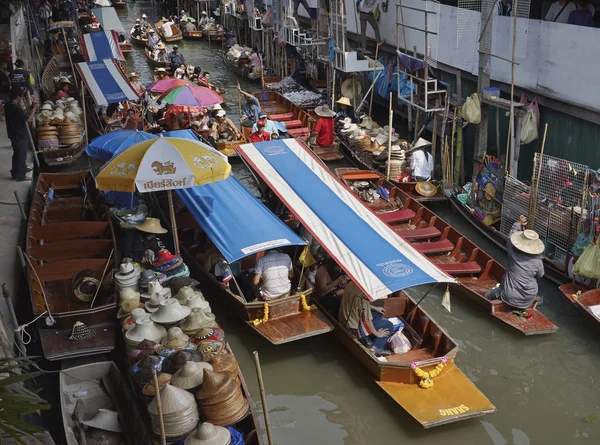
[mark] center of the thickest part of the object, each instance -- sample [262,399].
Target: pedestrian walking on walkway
[18,133]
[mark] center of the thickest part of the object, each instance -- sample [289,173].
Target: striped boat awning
[101,45]
[108,19]
[378,260]
[106,82]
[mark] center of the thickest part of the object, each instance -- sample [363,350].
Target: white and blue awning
[101,45]
[108,19]
[106,82]
[370,252]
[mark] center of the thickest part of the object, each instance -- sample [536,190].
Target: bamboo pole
[70,59]
[263,398]
[459,168]
[511,131]
[389,157]
[85,128]
[534,196]
[102,278]
[374,78]
[434,133]
[163,436]
[451,164]
[173,221]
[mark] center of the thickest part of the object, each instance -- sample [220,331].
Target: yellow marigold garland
[427,377]
[305,306]
[576,296]
[265,316]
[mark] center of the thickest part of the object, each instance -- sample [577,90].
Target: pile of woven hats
[171,265]
[179,412]
[220,398]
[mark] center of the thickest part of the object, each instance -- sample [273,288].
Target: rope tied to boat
[265,317]
[427,377]
[304,305]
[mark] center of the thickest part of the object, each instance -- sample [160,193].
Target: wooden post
[511,127]
[436,118]
[374,77]
[173,221]
[534,195]
[417,113]
[263,398]
[70,59]
[389,157]
[87,141]
[102,279]
[163,436]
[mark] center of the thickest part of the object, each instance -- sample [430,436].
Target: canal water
[546,388]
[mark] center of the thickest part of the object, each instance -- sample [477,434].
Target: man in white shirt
[166,28]
[274,270]
[421,162]
[559,11]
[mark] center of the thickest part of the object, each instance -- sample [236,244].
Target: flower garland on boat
[427,377]
[305,306]
[265,316]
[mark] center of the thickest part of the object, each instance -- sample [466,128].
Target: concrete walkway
[12,233]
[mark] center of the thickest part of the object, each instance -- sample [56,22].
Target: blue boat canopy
[237,222]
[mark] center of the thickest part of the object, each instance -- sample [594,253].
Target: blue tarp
[101,45]
[235,220]
[106,82]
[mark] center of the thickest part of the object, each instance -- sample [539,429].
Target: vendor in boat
[137,86]
[176,58]
[260,135]
[251,110]
[364,320]
[345,110]
[224,129]
[63,90]
[322,133]
[189,26]
[136,243]
[519,285]
[203,19]
[130,121]
[204,80]
[153,40]
[421,161]
[230,39]
[330,282]
[165,28]
[273,272]
[255,58]
[144,22]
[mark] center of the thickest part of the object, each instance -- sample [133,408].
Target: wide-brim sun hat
[151,225]
[128,294]
[425,188]
[190,375]
[196,320]
[170,312]
[217,107]
[347,88]
[344,101]
[197,301]
[324,111]
[145,329]
[209,434]
[527,241]
[127,308]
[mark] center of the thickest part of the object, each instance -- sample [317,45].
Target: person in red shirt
[323,132]
[260,135]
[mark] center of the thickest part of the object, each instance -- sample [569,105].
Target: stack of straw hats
[209,434]
[191,375]
[226,363]
[196,320]
[163,379]
[48,136]
[170,312]
[146,277]
[179,412]
[127,276]
[144,329]
[175,340]
[221,399]
[70,133]
[152,288]
[210,348]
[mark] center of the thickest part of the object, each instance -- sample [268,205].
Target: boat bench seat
[467,268]
[296,123]
[434,247]
[282,116]
[397,216]
[296,132]
[274,109]
[424,233]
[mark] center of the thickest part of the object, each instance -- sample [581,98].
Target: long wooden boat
[70,235]
[298,122]
[137,41]
[153,62]
[287,320]
[242,71]
[119,4]
[177,35]
[64,154]
[126,47]
[553,272]
[97,386]
[452,252]
[213,34]
[452,398]
[228,148]
[192,35]
[585,299]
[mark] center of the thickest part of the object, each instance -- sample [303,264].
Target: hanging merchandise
[471,110]
[533,106]
[588,264]
[529,130]
[583,240]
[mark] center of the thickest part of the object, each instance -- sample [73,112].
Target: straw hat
[154,287]
[197,320]
[198,301]
[324,111]
[367,122]
[46,107]
[217,107]
[161,70]
[176,339]
[174,344]
[105,419]
[170,312]
[527,241]
[151,225]
[206,334]
[179,411]
[163,379]
[145,329]
[425,188]
[127,308]
[126,272]
[178,282]
[175,332]
[216,387]
[191,375]
[135,315]
[185,292]
[128,294]
[210,348]
[225,363]
[344,101]
[154,302]
[209,434]
[133,75]
[347,88]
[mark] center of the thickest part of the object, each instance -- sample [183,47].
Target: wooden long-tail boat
[176,33]
[585,299]
[150,59]
[138,41]
[452,252]
[213,34]
[242,71]
[70,237]
[119,4]
[126,47]
[298,122]
[191,35]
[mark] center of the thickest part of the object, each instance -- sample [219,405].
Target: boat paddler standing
[519,286]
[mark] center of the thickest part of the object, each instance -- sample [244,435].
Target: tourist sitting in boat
[137,31]
[322,134]
[345,110]
[260,135]
[251,110]
[271,127]
[180,72]
[330,282]
[144,21]
[166,29]
[160,55]
[63,90]
[273,272]
[365,321]
[204,81]
[203,19]
[519,285]
[110,118]
[190,27]
[137,86]
[196,75]
[161,74]
[224,129]
[130,121]
[421,161]
[176,58]
[230,39]
[153,40]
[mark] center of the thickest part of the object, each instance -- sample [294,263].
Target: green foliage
[16,400]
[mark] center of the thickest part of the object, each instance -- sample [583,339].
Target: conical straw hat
[106,420]
[225,363]
[191,375]
[197,320]
[173,400]
[163,379]
[216,387]
[145,329]
[209,434]
[226,412]
[170,311]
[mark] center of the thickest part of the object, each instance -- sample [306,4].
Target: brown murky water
[543,387]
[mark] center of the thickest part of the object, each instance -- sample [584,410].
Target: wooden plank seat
[434,247]
[397,216]
[424,233]
[297,132]
[274,109]
[282,116]
[470,267]
[296,123]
